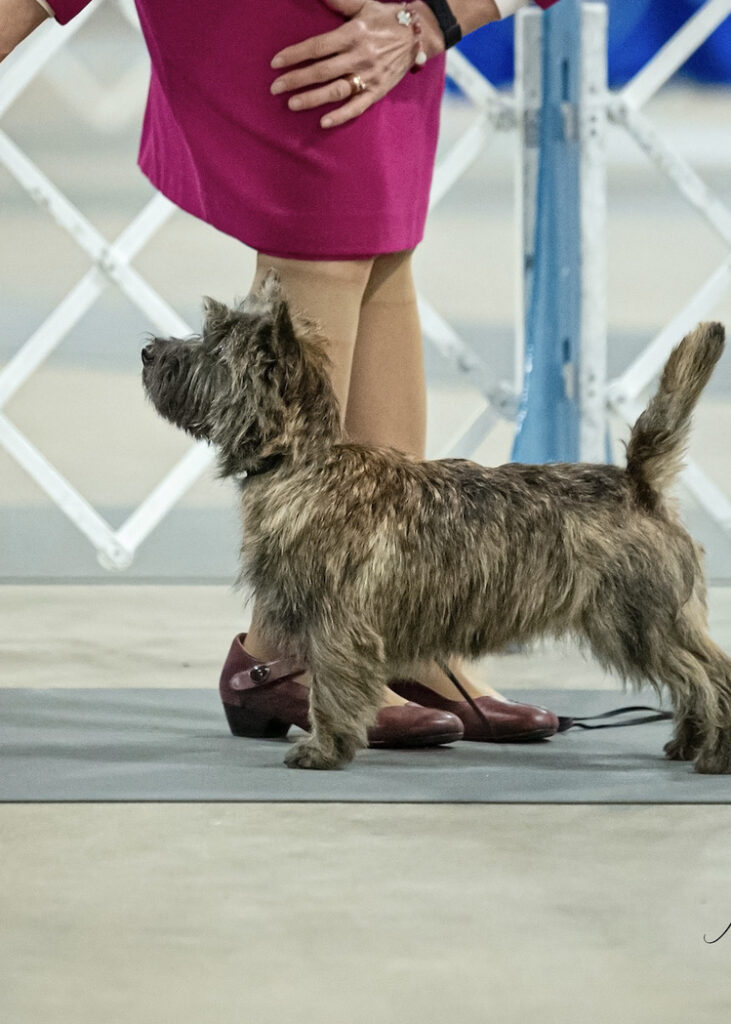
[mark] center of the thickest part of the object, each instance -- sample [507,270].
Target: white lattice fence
[111,262]
[625,109]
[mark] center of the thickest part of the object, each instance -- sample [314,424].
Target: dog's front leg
[346,691]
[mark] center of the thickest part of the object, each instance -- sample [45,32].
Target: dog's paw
[715,761]
[305,754]
[679,750]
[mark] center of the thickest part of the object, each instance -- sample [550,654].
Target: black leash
[659,715]
[564,722]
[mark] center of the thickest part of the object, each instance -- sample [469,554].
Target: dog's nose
[147,354]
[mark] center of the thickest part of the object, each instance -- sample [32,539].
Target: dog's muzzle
[148,354]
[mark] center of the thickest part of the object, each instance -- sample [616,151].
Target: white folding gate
[625,109]
[111,261]
[111,264]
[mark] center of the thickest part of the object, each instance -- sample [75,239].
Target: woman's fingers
[357,106]
[372,44]
[340,89]
[317,47]
[316,74]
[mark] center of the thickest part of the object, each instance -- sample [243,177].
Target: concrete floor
[347,914]
[338,914]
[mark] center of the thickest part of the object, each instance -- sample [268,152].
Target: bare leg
[387,397]
[330,292]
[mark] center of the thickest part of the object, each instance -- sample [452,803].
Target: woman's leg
[331,292]
[387,395]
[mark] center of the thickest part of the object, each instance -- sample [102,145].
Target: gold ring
[356,83]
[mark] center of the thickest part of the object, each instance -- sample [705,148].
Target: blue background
[637,29]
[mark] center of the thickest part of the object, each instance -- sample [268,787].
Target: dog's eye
[169,377]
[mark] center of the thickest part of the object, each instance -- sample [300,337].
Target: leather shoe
[261,699]
[498,721]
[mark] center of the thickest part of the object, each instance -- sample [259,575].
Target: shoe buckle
[259,673]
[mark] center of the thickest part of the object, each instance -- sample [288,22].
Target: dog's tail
[660,435]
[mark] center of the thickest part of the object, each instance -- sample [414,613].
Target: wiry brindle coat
[363,560]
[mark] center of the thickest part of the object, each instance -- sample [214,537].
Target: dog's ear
[284,336]
[270,290]
[215,312]
[271,297]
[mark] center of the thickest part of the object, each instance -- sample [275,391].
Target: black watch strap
[447,22]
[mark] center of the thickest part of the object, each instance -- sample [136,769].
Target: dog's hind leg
[348,679]
[694,701]
[693,705]
[703,726]
[635,638]
[710,725]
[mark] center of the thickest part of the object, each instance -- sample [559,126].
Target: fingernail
[277,87]
[326,122]
[277,62]
[295,104]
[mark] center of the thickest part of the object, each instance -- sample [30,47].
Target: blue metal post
[548,417]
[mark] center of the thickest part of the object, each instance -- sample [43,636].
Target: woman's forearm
[18,18]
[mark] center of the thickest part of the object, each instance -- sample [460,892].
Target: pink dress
[220,146]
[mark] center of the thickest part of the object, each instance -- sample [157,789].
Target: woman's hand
[371,44]
[18,18]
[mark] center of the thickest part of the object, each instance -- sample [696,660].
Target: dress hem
[266,250]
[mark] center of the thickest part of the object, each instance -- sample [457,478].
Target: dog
[364,560]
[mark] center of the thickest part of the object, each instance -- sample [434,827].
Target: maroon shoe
[262,700]
[486,719]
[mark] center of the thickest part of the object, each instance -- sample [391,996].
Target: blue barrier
[547,428]
[548,421]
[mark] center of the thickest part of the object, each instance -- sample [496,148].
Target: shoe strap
[470,700]
[265,672]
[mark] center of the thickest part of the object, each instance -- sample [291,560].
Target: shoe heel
[262,727]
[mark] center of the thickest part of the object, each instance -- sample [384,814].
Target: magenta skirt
[220,146]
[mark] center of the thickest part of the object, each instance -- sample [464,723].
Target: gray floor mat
[174,745]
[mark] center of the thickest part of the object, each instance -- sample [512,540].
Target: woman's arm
[18,18]
[372,44]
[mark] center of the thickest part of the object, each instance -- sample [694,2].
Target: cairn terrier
[364,560]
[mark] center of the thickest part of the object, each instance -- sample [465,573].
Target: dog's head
[255,382]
